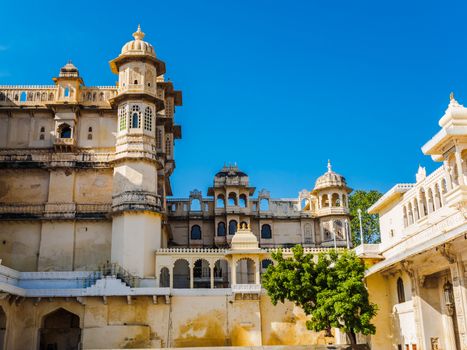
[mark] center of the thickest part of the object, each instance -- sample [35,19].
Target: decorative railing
[27,95]
[332,211]
[246,288]
[52,210]
[191,251]
[137,200]
[111,269]
[43,94]
[97,94]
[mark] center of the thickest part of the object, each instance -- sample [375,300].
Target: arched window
[264,204]
[324,201]
[405,217]
[90,133]
[220,202]
[242,201]
[195,232]
[335,200]
[438,203]
[22,97]
[243,224]
[415,209]
[164,278]
[221,229]
[195,205]
[101,96]
[148,119]
[42,133]
[410,214]
[232,227]
[266,232]
[64,131]
[400,290]
[66,92]
[135,117]
[232,200]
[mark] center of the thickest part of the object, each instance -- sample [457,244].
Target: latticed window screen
[148,119]
[135,117]
[122,116]
[168,145]
[168,108]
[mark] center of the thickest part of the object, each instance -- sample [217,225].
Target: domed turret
[137,50]
[330,179]
[138,46]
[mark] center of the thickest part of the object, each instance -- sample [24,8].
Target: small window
[264,204]
[41,137]
[266,232]
[90,133]
[65,131]
[42,129]
[135,117]
[135,82]
[400,290]
[195,232]
[67,92]
[221,229]
[265,263]
[232,227]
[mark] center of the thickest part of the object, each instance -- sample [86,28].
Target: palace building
[418,273]
[95,253]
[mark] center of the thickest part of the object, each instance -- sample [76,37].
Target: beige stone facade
[96,253]
[418,278]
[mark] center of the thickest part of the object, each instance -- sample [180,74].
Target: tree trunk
[353,339]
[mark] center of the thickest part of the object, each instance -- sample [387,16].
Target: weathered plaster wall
[19,244]
[93,186]
[19,186]
[186,321]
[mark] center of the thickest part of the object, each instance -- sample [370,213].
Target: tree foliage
[330,290]
[370,222]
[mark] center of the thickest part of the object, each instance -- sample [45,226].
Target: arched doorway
[181,274]
[60,331]
[221,274]
[245,271]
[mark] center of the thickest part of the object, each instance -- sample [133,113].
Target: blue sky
[276,86]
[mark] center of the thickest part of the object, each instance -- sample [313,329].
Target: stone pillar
[211,269]
[257,268]
[233,268]
[191,266]
[171,278]
[460,171]
[329,200]
[460,298]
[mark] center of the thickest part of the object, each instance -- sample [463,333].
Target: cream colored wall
[19,244]
[104,129]
[135,237]
[56,246]
[19,186]
[135,176]
[92,244]
[61,186]
[391,218]
[93,186]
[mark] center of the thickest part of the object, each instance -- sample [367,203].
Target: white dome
[138,46]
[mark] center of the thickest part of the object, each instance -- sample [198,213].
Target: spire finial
[451,96]
[329,166]
[138,35]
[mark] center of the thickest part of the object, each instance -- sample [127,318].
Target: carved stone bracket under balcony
[136,200]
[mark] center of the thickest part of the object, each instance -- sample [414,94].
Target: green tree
[330,290]
[370,222]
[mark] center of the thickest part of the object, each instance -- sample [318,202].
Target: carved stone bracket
[445,251]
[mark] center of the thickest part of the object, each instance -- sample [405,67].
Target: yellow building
[94,251]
